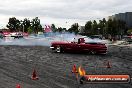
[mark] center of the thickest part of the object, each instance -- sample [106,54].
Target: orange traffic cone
[34,75]
[74,69]
[108,65]
[18,86]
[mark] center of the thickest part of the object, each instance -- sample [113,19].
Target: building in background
[126,17]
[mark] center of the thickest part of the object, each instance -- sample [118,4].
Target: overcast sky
[61,12]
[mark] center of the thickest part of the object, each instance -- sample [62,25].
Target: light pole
[98,31]
[23,28]
[22,25]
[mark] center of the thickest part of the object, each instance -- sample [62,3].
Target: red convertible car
[79,46]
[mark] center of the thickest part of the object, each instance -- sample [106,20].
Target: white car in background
[16,34]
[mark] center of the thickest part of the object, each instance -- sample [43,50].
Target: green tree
[95,29]
[129,31]
[64,29]
[122,27]
[53,28]
[26,24]
[102,26]
[115,27]
[109,27]
[59,29]
[13,24]
[36,24]
[88,27]
[30,30]
[40,28]
[74,28]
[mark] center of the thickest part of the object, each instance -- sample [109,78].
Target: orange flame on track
[82,72]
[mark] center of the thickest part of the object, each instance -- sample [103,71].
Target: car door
[82,46]
[72,47]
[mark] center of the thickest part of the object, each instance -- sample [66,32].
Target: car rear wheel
[58,49]
[93,52]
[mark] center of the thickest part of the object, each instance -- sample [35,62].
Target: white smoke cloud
[46,39]
[40,40]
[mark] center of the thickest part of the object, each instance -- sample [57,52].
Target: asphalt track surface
[54,69]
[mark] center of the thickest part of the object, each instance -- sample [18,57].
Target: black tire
[58,49]
[93,52]
[103,53]
[82,79]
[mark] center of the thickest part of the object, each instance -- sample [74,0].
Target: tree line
[104,27]
[30,26]
[25,25]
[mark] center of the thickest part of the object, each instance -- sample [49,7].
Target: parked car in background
[6,34]
[1,35]
[16,34]
[128,38]
[96,36]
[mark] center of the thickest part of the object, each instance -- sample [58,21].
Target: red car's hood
[59,42]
